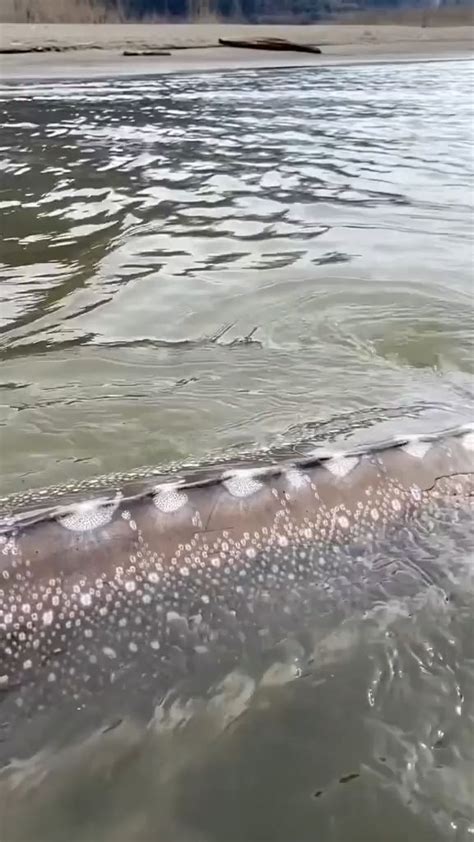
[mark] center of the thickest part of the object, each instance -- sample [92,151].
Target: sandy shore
[88,50]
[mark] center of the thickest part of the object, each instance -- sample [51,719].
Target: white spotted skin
[87,517]
[416,493]
[296,479]
[341,466]
[169,499]
[242,484]
[417,448]
[133,615]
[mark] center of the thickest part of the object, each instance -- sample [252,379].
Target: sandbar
[96,50]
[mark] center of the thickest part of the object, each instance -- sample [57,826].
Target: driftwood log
[146,53]
[280,44]
[6,51]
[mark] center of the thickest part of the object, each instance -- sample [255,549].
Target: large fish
[112,603]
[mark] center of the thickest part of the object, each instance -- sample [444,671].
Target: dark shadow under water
[357,728]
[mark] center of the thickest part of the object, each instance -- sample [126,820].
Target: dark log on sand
[6,51]
[280,44]
[146,53]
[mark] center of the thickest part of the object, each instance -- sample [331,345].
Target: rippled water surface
[205,264]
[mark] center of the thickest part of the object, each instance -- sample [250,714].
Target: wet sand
[90,50]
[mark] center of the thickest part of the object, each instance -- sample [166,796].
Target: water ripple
[326,208]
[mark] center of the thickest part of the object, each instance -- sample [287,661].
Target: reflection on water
[321,216]
[205,264]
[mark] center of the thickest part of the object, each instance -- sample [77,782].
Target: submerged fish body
[108,604]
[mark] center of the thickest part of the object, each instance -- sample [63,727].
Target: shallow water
[201,265]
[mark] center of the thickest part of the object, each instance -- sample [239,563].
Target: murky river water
[205,264]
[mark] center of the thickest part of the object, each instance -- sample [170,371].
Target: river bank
[88,50]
